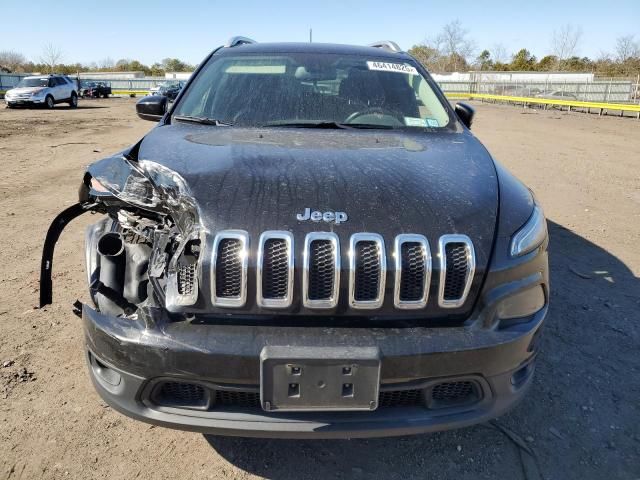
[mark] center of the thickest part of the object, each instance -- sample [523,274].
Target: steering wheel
[373,111]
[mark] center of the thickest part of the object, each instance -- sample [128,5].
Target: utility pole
[311,35]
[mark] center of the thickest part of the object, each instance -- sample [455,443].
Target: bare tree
[12,61]
[453,43]
[565,42]
[106,63]
[627,48]
[499,53]
[51,56]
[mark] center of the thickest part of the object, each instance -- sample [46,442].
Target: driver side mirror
[152,108]
[465,113]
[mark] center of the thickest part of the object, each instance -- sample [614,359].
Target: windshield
[33,82]
[313,88]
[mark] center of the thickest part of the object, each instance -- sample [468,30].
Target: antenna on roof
[311,35]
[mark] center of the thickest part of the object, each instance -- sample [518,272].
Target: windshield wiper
[372,126]
[201,120]
[328,125]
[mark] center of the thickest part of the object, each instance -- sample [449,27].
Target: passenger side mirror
[152,108]
[465,113]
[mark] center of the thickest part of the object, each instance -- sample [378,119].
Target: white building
[112,75]
[178,75]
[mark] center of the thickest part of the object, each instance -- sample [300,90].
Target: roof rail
[386,45]
[235,41]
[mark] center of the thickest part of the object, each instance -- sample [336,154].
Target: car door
[54,90]
[65,87]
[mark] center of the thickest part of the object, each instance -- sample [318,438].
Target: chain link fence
[599,90]
[611,90]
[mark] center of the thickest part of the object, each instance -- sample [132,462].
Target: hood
[386,182]
[389,183]
[26,90]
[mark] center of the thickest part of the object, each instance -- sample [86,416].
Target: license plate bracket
[319,378]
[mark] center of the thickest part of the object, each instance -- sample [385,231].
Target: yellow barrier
[625,107]
[142,93]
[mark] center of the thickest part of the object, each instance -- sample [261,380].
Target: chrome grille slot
[457,267]
[183,277]
[321,275]
[367,271]
[367,274]
[413,271]
[275,270]
[229,268]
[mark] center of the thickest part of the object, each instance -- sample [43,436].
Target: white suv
[46,90]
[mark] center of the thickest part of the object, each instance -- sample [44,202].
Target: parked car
[155,89]
[43,90]
[282,258]
[171,89]
[519,91]
[95,89]
[557,95]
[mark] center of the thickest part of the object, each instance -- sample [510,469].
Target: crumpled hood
[386,182]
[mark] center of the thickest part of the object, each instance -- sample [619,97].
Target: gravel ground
[580,420]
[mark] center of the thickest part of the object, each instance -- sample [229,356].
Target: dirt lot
[581,419]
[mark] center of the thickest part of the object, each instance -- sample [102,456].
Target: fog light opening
[104,373]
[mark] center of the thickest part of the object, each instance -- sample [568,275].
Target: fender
[53,234]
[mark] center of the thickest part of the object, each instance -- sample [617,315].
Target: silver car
[44,90]
[557,95]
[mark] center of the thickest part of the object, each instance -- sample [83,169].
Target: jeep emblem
[316,216]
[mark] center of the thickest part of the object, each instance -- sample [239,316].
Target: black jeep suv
[310,243]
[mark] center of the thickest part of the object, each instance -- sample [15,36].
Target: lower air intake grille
[455,278]
[367,271]
[186,279]
[321,269]
[229,268]
[237,398]
[452,391]
[181,394]
[195,396]
[400,398]
[413,271]
[275,275]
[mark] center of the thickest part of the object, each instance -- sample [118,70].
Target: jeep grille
[367,270]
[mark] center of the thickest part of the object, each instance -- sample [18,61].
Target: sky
[150,30]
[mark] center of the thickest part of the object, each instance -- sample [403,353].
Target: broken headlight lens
[531,235]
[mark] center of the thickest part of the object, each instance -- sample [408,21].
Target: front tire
[73,101]
[49,102]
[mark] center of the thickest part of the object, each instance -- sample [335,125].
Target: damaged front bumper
[154,360]
[130,361]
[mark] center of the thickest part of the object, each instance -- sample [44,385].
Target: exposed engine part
[147,252]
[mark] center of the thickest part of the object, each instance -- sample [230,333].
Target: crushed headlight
[531,235]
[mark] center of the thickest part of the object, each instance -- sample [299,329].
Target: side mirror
[465,113]
[151,108]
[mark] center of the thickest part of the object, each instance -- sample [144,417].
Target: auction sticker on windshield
[392,67]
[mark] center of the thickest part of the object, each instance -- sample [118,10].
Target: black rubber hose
[112,269]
